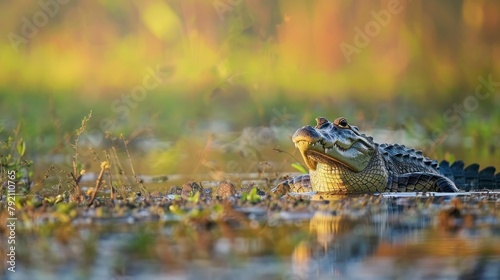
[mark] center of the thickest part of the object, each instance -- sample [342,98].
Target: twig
[104,166]
[45,176]
[95,154]
[112,189]
[96,157]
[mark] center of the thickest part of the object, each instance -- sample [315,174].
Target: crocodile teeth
[314,144]
[326,150]
[338,147]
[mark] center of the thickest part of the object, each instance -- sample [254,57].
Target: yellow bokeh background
[238,60]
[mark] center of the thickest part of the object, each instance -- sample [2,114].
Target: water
[348,237]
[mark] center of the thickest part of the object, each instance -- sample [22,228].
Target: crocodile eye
[341,122]
[320,121]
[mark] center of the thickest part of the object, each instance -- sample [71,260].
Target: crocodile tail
[470,178]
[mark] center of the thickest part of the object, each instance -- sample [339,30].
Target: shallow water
[349,237]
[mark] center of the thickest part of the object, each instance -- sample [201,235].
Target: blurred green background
[187,77]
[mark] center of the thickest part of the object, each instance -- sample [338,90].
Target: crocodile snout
[307,134]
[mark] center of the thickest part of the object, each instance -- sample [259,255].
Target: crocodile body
[341,160]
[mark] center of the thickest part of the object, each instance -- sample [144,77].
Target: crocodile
[341,160]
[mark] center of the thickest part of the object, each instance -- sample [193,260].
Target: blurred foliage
[182,68]
[14,167]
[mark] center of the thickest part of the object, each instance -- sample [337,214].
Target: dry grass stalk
[137,180]
[104,167]
[77,176]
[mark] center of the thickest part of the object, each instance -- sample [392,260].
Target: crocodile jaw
[355,157]
[303,147]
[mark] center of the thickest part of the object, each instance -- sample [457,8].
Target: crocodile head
[334,144]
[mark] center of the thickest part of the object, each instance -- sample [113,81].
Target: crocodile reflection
[335,240]
[395,239]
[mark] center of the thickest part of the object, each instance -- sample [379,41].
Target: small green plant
[13,160]
[252,196]
[299,167]
[194,197]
